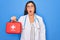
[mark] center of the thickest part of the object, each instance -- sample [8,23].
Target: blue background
[48,9]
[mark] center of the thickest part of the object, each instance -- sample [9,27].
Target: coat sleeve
[21,19]
[42,29]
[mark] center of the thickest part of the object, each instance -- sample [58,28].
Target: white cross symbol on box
[13,27]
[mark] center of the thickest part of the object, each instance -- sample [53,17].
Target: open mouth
[30,11]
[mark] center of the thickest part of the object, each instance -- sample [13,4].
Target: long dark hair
[25,11]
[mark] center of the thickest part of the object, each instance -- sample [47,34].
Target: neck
[31,18]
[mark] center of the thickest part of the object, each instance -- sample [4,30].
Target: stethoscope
[34,20]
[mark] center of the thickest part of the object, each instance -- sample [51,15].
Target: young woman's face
[30,8]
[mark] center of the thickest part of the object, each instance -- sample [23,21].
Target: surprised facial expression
[30,9]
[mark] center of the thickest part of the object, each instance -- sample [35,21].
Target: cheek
[28,10]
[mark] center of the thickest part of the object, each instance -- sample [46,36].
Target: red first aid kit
[13,27]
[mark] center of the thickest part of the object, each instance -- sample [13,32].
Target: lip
[30,11]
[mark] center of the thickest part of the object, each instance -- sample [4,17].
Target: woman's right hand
[13,18]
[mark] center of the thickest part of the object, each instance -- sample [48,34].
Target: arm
[42,29]
[21,19]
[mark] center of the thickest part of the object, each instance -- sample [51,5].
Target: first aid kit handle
[12,21]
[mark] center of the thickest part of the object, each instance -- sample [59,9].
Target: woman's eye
[32,6]
[29,6]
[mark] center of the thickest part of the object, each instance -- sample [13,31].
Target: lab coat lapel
[27,28]
[37,28]
[36,21]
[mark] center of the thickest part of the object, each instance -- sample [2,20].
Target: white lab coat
[39,28]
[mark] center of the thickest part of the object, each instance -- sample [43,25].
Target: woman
[33,27]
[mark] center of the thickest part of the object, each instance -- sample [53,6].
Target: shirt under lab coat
[39,28]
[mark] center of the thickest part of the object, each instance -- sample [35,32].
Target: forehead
[29,4]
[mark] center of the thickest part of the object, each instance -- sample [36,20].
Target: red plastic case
[13,27]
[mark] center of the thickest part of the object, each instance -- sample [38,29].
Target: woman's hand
[13,18]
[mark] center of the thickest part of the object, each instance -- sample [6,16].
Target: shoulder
[39,17]
[21,18]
